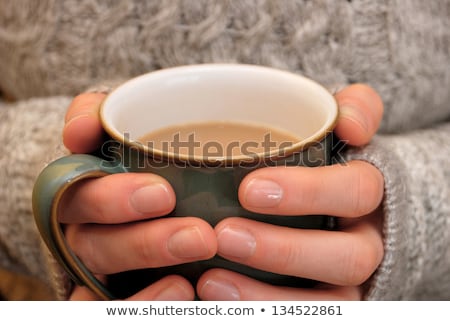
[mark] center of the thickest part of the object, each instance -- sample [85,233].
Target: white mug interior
[220,92]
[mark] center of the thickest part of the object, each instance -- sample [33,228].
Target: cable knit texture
[52,48]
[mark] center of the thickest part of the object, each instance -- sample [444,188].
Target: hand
[357,123]
[343,260]
[108,246]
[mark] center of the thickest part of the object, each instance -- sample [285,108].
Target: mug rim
[232,160]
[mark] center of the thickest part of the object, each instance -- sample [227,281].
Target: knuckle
[290,257]
[145,254]
[79,241]
[367,185]
[360,262]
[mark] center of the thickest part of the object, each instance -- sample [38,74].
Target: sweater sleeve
[416,168]
[30,137]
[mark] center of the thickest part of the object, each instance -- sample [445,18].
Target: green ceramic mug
[205,184]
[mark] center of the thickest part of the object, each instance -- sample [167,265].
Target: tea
[218,139]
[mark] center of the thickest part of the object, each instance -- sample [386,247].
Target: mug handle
[48,189]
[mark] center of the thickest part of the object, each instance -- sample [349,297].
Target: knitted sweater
[51,50]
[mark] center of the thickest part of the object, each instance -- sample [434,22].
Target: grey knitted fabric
[401,48]
[30,135]
[417,213]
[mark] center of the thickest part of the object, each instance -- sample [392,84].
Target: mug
[205,184]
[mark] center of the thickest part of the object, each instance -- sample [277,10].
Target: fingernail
[188,243]
[235,241]
[262,193]
[174,292]
[354,114]
[152,198]
[219,290]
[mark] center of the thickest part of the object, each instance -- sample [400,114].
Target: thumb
[360,113]
[83,131]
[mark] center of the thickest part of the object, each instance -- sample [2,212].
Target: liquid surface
[218,139]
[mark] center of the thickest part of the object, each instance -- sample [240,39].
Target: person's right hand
[106,219]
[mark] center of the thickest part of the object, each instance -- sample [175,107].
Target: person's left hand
[341,260]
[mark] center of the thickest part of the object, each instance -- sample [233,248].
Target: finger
[81,293]
[107,249]
[170,288]
[117,198]
[222,285]
[360,113]
[337,257]
[83,132]
[351,189]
